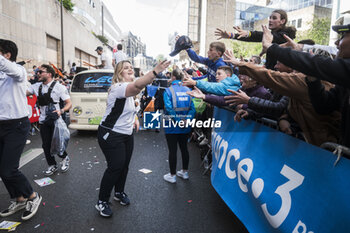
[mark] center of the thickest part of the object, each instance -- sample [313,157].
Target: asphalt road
[156,206]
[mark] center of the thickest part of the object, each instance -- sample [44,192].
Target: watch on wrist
[155,73]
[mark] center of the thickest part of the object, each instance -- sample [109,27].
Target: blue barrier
[276,183]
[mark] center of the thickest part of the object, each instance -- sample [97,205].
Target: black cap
[99,48]
[341,28]
[184,42]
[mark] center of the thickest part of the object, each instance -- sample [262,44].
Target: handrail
[337,149]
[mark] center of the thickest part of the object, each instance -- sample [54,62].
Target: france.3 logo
[151,120]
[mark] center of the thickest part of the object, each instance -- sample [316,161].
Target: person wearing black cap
[14,129]
[105,60]
[317,68]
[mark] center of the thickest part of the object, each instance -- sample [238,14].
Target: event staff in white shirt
[115,133]
[105,60]
[119,55]
[46,101]
[14,129]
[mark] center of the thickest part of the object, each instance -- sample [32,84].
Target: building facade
[35,26]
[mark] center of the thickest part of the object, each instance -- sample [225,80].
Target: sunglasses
[41,71]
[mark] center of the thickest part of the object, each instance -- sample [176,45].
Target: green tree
[243,49]
[68,5]
[319,31]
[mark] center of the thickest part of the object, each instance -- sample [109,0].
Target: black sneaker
[32,207]
[104,209]
[122,198]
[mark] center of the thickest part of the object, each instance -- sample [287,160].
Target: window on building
[52,50]
[293,22]
[299,23]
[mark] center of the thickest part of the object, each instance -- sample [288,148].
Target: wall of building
[35,26]
[301,19]
[220,14]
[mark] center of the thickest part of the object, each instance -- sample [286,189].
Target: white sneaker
[51,170]
[28,142]
[171,179]
[32,207]
[183,175]
[65,164]
[13,208]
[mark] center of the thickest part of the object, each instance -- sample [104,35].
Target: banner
[33,109]
[275,183]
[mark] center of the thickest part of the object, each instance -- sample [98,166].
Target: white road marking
[29,155]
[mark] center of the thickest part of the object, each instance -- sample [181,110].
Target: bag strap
[50,88]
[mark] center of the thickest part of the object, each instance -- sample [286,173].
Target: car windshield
[92,82]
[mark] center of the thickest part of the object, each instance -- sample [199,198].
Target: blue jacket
[184,107]
[220,88]
[212,66]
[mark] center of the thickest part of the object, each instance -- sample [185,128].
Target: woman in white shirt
[115,133]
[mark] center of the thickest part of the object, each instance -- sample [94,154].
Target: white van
[88,94]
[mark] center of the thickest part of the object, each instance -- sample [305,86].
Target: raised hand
[291,44]
[161,66]
[230,58]
[267,39]
[240,97]
[196,93]
[240,115]
[187,81]
[241,33]
[221,34]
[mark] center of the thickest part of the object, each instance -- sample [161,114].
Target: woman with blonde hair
[115,133]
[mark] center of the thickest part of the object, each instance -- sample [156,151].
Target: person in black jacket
[277,24]
[336,71]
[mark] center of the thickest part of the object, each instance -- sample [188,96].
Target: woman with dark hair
[277,24]
[178,107]
[115,133]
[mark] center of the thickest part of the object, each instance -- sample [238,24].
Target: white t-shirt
[119,56]
[108,61]
[120,111]
[58,91]
[13,85]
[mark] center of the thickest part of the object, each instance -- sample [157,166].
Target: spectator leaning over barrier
[213,61]
[178,107]
[277,24]
[336,71]
[225,79]
[316,128]
[271,108]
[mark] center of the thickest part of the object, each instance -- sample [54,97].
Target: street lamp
[62,44]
